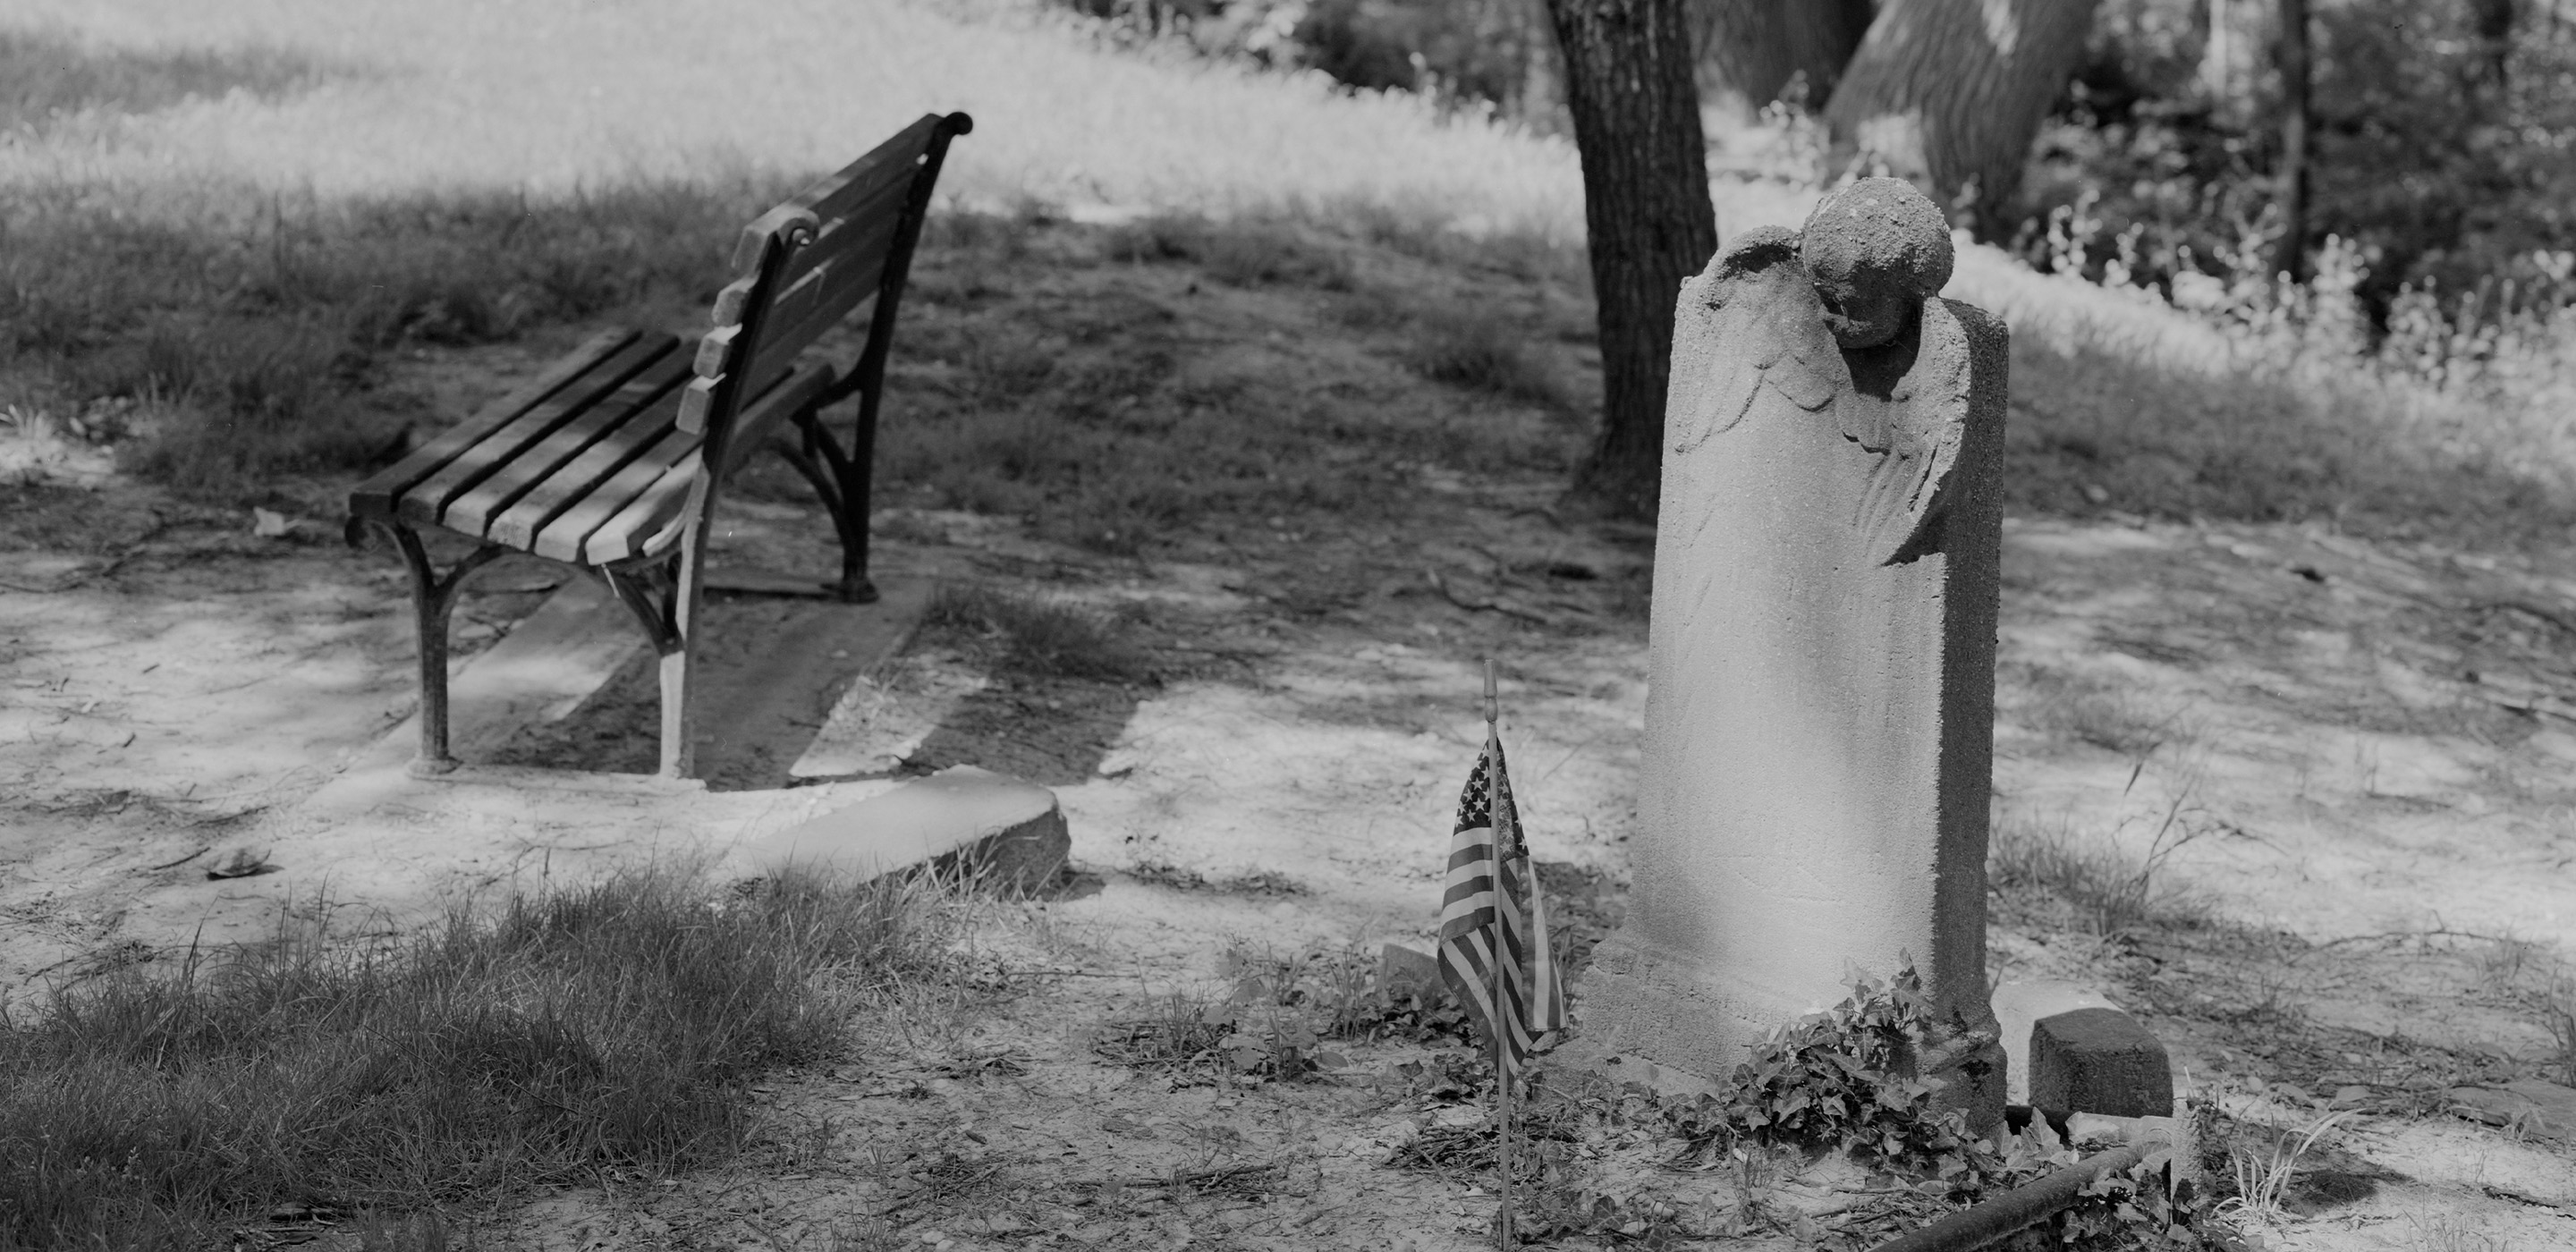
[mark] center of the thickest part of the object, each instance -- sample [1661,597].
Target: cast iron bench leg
[663,596]
[835,476]
[433,600]
[856,472]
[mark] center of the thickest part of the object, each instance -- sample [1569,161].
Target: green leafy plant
[1842,1078]
[1274,1022]
[1569,1203]
[1272,1019]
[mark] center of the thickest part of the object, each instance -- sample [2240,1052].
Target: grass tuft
[1240,252]
[2109,890]
[611,1025]
[2558,1016]
[1477,350]
[1042,638]
[2263,1170]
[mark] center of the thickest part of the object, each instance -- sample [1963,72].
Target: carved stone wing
[1751,319]
[1909,488]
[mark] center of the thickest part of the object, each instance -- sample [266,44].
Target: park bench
[612,459]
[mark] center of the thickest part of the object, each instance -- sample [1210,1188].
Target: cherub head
[1877,248]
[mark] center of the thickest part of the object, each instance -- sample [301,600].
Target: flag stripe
[1478,893]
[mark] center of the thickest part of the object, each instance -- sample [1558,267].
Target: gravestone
[1819,723]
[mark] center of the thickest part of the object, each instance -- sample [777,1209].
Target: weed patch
[1481,352]
[2092,430]
[2109,890]
[1278,1019]
[613,1025]
[2558,1016]
[1039,637]
[1240,252]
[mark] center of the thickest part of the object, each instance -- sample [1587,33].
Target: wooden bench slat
[775,359]
[787,339]
[565,538]
[858,241]
[582,477]
[752,428]
[647,522]
[650,521]
[424,502]
[375,497]
[801,312]
[841,241]
[472,513]
[894,161]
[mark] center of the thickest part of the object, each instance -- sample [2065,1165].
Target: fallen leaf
[241,863]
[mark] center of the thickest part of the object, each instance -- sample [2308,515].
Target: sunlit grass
[549,95]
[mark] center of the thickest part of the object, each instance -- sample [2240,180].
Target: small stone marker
[2098,1061]
[1005,826]
[1403,971]
[1820,717]
[2019,1004]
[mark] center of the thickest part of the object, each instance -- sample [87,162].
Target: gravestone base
[1655,1019]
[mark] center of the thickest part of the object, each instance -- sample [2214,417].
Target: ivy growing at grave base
[1833,1081]
[1836,1080]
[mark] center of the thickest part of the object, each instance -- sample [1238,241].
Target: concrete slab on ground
[2540,1110]
[375,848]
[999,825]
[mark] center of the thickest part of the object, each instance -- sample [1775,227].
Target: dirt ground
[2358,759]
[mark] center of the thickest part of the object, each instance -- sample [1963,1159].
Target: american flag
[1533,1008]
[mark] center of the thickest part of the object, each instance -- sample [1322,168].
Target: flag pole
[1499,1019]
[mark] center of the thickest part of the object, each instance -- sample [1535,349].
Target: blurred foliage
[2440,154]
[2440,157]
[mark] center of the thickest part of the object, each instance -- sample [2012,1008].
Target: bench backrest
[804,266]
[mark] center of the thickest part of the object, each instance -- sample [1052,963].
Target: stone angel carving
[1843,316]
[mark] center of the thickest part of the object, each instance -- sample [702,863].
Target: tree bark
[2291,53]
[1950,92]
[2492,21]
[1751,48]
[1647,218]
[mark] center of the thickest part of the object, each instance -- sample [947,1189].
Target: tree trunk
[1949,92]
[2492,20]
[1750,48]
[1647,217]
[2292,53]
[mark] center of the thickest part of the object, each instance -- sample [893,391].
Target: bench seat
[586,465]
